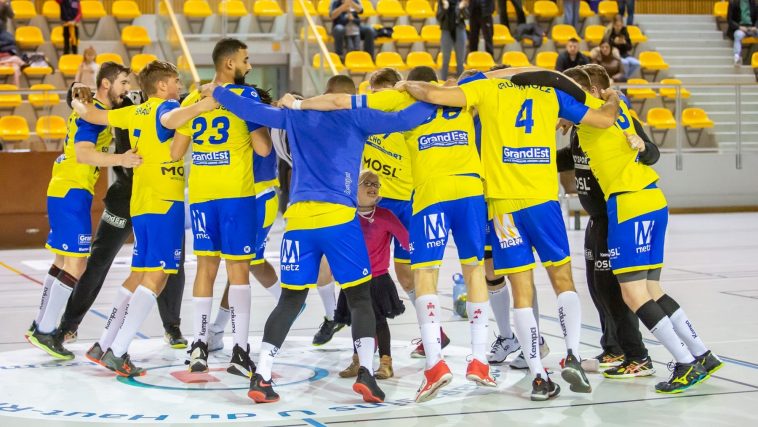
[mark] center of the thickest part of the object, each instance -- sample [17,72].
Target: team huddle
[476,160]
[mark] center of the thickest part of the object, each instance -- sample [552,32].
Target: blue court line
[313,422]
[99,314]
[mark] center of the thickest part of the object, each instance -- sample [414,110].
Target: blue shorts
[158,240]
[403,210]
[636,244]
[431,226]
[488,234]
[266,207]
[225,228]
[344,248]
[70,223]
[516,235]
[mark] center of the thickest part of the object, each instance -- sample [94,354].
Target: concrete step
[700,99]
[643,18]
[660,35]
[731,128]
[731,146]
[729,116]
[712,69]
[681,42]
[705,26]
[674,60]
[694,50]
[723,90]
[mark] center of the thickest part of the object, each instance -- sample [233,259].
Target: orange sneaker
[434,379]
[479,373]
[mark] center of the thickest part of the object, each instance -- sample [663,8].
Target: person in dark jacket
[571,57]
[71,14]
[618,36]
[480,19]
[451,15]
[347,27]
[6,13]
[742,18]
[502,10]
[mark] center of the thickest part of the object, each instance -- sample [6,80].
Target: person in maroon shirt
[379,225]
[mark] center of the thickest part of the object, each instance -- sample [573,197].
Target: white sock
[57,300]
[202,317]
[329,299]
[266,360]
[665,333]
[275,290]
[570,317]
[365,349]
[478,314]
[412,297]
[46,285]
[500,300]
[428,315]
[525,326]
[239,311]
[116,318]
[222,318]
[686,333]
[535,306]
[140,305]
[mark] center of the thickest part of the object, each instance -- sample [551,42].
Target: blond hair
[153,73]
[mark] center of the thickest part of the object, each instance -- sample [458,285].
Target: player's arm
[510,72]
[86,152]
[451,96]
[175,118]
[649,153]
[549,78]
[326,102]
[248,109]
[605,116]
[397,230]
[179,146]
[372,121]
[261,140]
[90,113]
[563,159]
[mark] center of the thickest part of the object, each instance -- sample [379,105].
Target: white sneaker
[544,349]
[215,340]
[502,348]
[737,59]
[520,362]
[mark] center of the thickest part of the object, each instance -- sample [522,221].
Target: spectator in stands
[88,69]
[530,31]
[6,13]
[571,13]
[451,15]
[71,14]
[610,62]
[571,57]
[741,17]
[480,18]
[10,59]
[502,10]
[618,36]
[627,6]
[347,27]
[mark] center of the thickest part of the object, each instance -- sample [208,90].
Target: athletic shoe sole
[542,398]
[198,368]
[431,392]
[235,369]
[577,384]
[630,376]
[368,396]
[716,368]
[486,382]
[95,361]
[48,350]
[260,397]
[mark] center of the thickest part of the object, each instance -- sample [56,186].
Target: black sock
[668,304]
[383,338]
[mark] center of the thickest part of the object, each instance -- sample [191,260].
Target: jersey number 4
[219,124]
[524,117]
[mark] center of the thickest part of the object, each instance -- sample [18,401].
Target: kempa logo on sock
[692,330]
[110,318]
[233,319]
[562,320]
[535,339]
[204,324]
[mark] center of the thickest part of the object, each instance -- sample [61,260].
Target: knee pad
[496,282]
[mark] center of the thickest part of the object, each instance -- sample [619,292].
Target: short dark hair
[225,48]
[153,73]
[598,75]
[422,73]
[573,40]
[340,84]
[384,78]
[580,76]
[110,71]
[263,94]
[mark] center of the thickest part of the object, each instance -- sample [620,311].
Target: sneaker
[326,332]
[737,59]
[67,337]
[261,391]
[502,348]
[241,364]
[122,366]
[520,362]
[352,369]
[544,389]
[215,340]
[710,362]
[573,374]
[198,362]
[174,337]
[683,376]
[434,379]
[31,330]
[385,368]
[50,344]
[631,368]
[95,353]
[365,385]
[419,353]
[609,359]
[479,373]
[544,348]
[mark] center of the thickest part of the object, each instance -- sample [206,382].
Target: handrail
[322,46]
[182,43]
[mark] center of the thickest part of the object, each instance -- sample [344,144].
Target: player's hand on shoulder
[207,89]
[608,94]
[286,101]
[130,159]
[635,141]
[82,93]
[564,126]
[208,104]
[402,85]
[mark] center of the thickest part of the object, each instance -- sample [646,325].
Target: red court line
[20,273]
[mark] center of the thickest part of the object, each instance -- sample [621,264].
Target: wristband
[297,104]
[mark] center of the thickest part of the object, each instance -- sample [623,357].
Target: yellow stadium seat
[56,36]
[197,9]
[13,128]
[109,57]
[391,60]
[7,70]
[641,93]
[299,12]
[364,88]
[420,59]
[140,60]
[323,8]
[335,59]
[511,10]
[515,58]
[389,11]
[419,10]
[135,37]
[23,10]
[44,98]
[125,10]
[37,73]
[359,62]
[545,10]
[720,10]
[546,59]
[452,66]
[501,35]
[660,120]
[233,8]
[696,118]
[51,10]
[92,10]
[607,9]
[431,36]
[267,9]
[593,34]
[754,60]
[51,127]
[481,61]
[562,33]
[670,92]
[405,34]
[585,11]
[320,30]
[635,34]
[9,101]
[69,64]
[368,10]
[28,37]
[652,62]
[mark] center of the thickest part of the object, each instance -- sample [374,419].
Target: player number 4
[524,117]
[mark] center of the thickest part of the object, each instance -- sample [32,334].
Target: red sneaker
[434,379]
[419,353]
[479,373]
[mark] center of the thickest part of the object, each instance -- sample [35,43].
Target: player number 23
[219,124]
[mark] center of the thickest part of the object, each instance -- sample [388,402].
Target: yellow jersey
[159,181]
[614,163]
[68,173]
[388,156]
[222,151]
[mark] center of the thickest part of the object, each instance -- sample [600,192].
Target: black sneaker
[631,368]
[683,376]
[573,373]
[326,332]
[31,330]
[95,354]
[67,337]
[365,385]
[261,391]
[609,359]
[122,366]
[241,364]
[544,389]
[50,344]
[710,362]
[174,337]
[198,362]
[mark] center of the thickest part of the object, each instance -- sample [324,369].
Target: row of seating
[16,128]
[30,38]
[47,96]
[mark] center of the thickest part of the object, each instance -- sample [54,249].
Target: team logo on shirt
[435,228]
[218,158]
[443,139]
[199,224]
[290,255]
[85,239]
[643,234]
[507,233]
[527,155]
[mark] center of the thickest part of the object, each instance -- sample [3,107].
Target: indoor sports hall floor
[711,269]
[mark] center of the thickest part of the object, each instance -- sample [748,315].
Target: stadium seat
[135,37]
[669,93]
[34,74]
[140,60]
[323,8]
[51,127]
[562,33]
[29,38]
[51,10]
[13,128]
[515,58]
[481,61]
[754,64]
[23,10]
[233,8]
[69,64]
[391,60]
[359,62]
[607,9]
[635,34]
[652,62]
[452,66]
[335,59]
[419,11]
[364,88]
[660,120]
[298,8]
[593,34]
[368,10]
[56,37]
[196,11]
[44,98]
[125,10]
[585,11]
[694,121]
[320,30]
[511,10]
[9,101]
[545,11]
[267,11]
[405,34]
[634,115]
[547,59]
[501,35]
[92,11]
[420,59]
[6,71]
[640,95]
[431,36]
[720,10]
[106,57]
[389,11]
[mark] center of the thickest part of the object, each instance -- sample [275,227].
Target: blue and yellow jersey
[518,136]
[68,173]
[222,151]
[614,163]
[388,156]
[264,169]
[159,181]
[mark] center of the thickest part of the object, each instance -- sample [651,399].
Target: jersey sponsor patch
[114,220]
[527,155]
[214,158]
[443,139]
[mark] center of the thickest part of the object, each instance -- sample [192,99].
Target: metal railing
[317,76]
